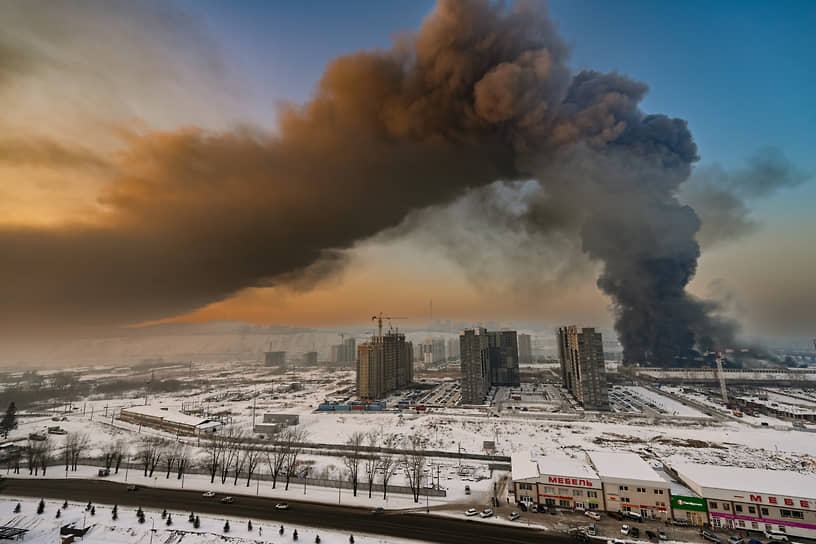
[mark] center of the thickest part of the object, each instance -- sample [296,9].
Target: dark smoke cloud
[722,198]
[481,93]
[45,152]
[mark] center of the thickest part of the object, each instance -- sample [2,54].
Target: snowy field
[45,528]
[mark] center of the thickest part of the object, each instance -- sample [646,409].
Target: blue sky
[742,73]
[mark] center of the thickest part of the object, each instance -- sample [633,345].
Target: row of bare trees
[373,453]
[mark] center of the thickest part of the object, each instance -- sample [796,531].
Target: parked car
[514,516]
[282,506]
[754,541]
[594,515]
[467,490]
[471,512]
[681,522]
[625,530]
[228,500]
[379,510]
[591,530]
[780,537]
[661,534]
[711,537]
[651,535]
[486,513]
[633,515]
[102,472]
[208,494]
[132,488]
[735,540]
[533,508]
[634,532]
[523,507]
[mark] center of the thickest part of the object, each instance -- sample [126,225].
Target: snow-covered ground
[45,528]
[663,403]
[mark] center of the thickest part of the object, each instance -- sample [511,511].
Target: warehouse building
[169,421]
[555,480]
[630,484]
[769,501]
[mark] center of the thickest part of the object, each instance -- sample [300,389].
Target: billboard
[695,504]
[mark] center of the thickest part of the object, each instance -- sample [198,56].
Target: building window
[592,494]
[792,514]
[764,512]
[768,527]
[754,525]
[527,487]
[625,499]
[563,492]
[726,506]
[564,503]
[593,506]
[782,529]
[549,490]
[752,510]
[661,491]
[623,488]
[737,508]
[577,493]
[712,505]
[641,490]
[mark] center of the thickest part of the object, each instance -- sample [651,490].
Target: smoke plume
[480,93]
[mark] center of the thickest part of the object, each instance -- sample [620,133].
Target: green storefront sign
[695,504]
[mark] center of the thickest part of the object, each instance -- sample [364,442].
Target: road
[410,525]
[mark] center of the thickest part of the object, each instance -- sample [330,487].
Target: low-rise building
[630,484]
[168,420]
[556,480]
[771,501]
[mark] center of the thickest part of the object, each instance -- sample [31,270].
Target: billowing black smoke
[481,93]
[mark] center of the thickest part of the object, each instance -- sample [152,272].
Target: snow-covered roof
[523,466]
[746,480]
[561,465]
[625,466]
[169,416]
[532,465]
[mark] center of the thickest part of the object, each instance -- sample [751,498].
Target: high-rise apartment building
[487,359]
[453,348]
[525,348]
[384,364]
[582,366]
[475,367]
[345,352]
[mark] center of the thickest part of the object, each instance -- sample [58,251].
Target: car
[523,507]
[681,522]
[379,510]
[591,530]
[625,530]
[132,488]
[534,508]
[736,540]
[661,534]
[228,500]
[594,515]
[617,541]
[208,494]
[514,516]
[754,541]
[486,513]
[471,512]
[651,535]
[634,532]
[780,537]
[711,537]
[282,506]
[467,490]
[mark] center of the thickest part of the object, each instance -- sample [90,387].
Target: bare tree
[120,450]
[75,444]
[373,440]
[387,463]
[251,459]
[296,438]
[150,453]
[182,460]
[45,449]
[353,457]
[413,461]
[233,439]
[276,456]
[171,453]
[215,452]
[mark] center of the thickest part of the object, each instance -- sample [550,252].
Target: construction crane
[379,319]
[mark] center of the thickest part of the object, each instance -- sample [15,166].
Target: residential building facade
[583,372]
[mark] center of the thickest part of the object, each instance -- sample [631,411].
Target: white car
[594,515]
[624,529]
[486,513]
[282,506]
[471,512]
[208,494]
[514,516]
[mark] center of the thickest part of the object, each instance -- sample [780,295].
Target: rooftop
[624,466]
[747,480]
[561,465]
[171,416]
[523,467]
